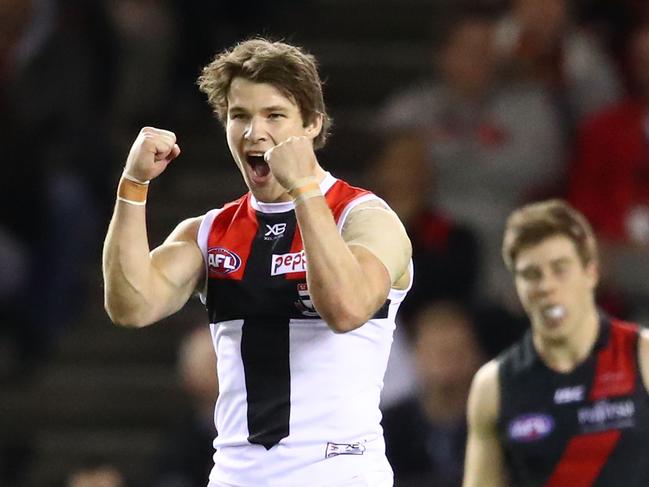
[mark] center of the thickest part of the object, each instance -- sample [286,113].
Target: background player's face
[550,276]
[260,117]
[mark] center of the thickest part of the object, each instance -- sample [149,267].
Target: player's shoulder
[186,231]
[484,398]
[487,377]
[343,193]
[228,211]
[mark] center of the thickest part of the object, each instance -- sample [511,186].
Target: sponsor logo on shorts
[288,263]
[530,427]
[222,261]
[335,449]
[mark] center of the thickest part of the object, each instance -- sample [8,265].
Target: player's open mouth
[555,312]
[258,165]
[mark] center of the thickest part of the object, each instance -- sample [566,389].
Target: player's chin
[260,181]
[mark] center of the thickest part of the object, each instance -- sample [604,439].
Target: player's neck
[565,354]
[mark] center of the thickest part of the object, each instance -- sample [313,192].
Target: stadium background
[77,81]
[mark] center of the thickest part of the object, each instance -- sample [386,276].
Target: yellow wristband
[131,192]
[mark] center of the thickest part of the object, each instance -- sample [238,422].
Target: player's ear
[314,127]
[592,271]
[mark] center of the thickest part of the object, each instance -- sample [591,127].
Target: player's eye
[530,274]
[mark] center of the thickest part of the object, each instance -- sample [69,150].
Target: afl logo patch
[221,261]
[530,427]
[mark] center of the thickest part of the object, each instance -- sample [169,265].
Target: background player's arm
[140,286]
[643,352]
[484,465]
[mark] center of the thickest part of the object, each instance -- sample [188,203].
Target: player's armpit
[376,228]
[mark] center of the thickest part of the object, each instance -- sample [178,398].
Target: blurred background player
[568,404]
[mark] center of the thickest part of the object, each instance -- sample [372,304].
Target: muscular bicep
[375,228]
[484,465]
[179,266]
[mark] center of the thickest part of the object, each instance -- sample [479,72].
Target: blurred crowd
[526,99]
[543,99]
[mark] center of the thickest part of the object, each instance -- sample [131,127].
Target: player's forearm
[127,267]
[336,282]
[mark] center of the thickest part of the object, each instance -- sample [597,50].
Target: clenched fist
[292,160]
[150,154]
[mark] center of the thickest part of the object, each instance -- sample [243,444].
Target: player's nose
[255,130]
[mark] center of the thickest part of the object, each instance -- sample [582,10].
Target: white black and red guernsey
[298,403]
[586,428]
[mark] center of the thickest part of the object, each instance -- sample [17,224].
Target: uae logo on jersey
[221,261]
[303,302]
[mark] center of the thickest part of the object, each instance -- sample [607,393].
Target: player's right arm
[484,465]
[143,286]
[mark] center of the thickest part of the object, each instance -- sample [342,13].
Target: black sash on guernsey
[586,428]
[266,303]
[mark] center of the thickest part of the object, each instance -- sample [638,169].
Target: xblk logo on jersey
[221,261]
[275,231]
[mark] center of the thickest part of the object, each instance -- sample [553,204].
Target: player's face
[555,288]
[259,117]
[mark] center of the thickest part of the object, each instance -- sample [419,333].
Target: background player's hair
[288,68]
[535,222]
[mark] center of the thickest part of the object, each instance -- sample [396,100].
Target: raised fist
[292,160]
[150,154]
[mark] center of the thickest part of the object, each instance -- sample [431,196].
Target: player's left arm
[350,273]
[643,355]
[348,280]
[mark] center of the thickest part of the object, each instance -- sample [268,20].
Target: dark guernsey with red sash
[586,428]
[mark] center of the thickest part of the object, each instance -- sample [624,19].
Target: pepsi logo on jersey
[221,261]
[288,263]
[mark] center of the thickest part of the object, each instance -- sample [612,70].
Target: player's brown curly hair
[288,68]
